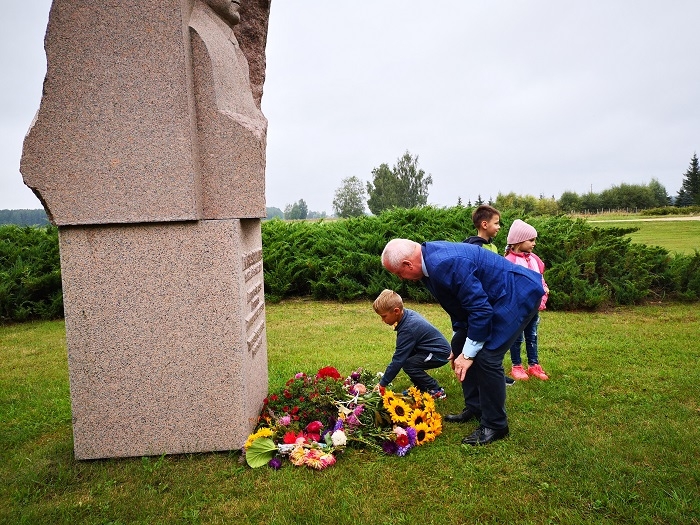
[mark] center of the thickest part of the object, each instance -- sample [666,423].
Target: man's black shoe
[462,417]
[484,435]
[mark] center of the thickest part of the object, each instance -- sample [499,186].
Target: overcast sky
[529,96]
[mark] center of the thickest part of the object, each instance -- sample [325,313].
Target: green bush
[30,274]
[587,267]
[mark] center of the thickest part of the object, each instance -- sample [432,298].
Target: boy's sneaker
[536,370]
[509,381]
[519,373]
[438,393]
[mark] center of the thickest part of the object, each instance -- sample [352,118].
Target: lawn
[676,234]
[613,437]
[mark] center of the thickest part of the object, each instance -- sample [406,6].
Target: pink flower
[285,420]
[359,389]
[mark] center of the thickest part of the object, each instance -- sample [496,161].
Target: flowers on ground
[314,417]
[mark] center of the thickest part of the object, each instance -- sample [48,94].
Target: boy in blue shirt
[419,345]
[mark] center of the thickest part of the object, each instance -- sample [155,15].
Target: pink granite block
[148,115]
[166,336]
[113,139]
[231,129]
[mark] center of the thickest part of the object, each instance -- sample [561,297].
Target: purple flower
[402,451]
[338,425]
[411,432]
[275,463]
[355,376]
[389,447]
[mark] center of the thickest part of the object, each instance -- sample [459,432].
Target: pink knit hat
[520,231]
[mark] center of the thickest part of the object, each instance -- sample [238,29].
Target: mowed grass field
[612,438]
[676,234]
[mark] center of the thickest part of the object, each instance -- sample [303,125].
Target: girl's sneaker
[518,373]
[536,370]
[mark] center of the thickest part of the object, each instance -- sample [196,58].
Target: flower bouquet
[314,417]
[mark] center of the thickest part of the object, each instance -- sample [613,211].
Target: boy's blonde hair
[387,301]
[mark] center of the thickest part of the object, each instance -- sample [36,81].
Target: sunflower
[399,411]
[424,434]
[418,416]
[415,394]
[428,402]
[388,398]
[435,424]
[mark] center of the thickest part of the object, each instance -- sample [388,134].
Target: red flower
[290,437]
[328,371]
[402,440]
[274,397]
[287,394]
[313,430]
[301,399]
[314,426]
[295,410]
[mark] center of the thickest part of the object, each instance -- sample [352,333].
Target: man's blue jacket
[490,294]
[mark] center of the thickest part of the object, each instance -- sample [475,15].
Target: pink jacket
[533,262]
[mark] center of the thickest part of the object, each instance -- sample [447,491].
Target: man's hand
[460,365]
[451,359]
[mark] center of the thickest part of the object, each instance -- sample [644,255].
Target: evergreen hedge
[587,267]
[30,274]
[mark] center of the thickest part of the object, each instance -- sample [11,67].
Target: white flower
[339,438]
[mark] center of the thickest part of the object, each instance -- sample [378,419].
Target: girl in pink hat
[521,241]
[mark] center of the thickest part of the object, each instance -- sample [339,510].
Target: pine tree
[689,194]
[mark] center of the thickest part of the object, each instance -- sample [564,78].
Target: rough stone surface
[231,129]
[122,137]
[165,325]
[148,152]
[251,34]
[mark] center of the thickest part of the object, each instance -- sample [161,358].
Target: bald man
[494,297]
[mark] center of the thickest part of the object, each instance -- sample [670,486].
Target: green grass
[676,234]
[613,437]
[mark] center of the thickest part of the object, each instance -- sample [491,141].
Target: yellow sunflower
[388,398]
[424,434]
[418,416]
[435,424]
[399,411]
[415,394]
[428,402]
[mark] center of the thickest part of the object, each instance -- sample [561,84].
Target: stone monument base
[165,324]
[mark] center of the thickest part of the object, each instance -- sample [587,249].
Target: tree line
[405,185]
[24,217]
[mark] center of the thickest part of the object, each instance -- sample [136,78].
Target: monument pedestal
[165,325]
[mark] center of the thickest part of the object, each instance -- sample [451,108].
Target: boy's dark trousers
[416,366]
